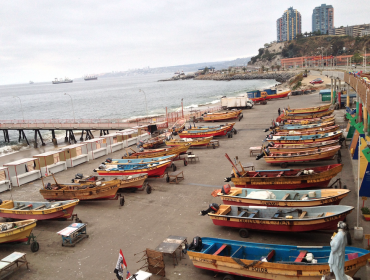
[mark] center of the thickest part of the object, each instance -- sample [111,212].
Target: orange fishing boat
[233,114]
[201,133]
[307,110]
[310,120]
[178,150]
[309,131]
[304,116]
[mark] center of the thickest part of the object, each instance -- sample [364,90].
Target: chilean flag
[120,266]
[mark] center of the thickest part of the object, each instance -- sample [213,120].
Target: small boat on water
[304,116]
[90,77]
[177,150]
[61,81]
[178,125]
[155,169]
[82,191]
[201,133]
[283,158]
[308,110]
[275,148]
[233,114]
[310,120]
[312,131]
[299,127]
[196,142]
[281,219]
[304,139]
[283,198]
[286,179]
[16,231]
[280,262]
[23,210]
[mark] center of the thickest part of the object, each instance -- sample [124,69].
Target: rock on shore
[281,77]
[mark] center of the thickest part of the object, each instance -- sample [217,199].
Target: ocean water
[110,98]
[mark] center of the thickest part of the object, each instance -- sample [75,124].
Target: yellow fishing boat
[233,114]
[16,231]
[195,142]
[307,110]
[310,120]
[274,148]
[306,116]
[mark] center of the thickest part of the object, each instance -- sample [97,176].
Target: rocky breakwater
[179,77]
[281,77]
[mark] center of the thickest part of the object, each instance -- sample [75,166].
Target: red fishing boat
[200,133]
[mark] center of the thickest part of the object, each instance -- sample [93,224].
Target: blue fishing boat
[270,261]
[303,139]
[110,161]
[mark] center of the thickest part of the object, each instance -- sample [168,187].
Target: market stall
[4,179]
[96,148]
[74,154]
[50,163]
[23,171]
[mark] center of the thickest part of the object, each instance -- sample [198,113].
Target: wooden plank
[304,196]
[241,214]
[286,196]
[320,215]
[301,255]
[270,255]
[304,213]
[220,250]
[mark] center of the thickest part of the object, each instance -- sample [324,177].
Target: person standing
[279,111]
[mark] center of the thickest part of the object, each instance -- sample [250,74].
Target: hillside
[310,46]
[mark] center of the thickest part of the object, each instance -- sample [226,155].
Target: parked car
[317,81]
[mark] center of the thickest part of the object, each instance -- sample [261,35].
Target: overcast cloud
[41,40]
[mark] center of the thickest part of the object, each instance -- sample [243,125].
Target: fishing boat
[82,191]
[258,95]
[309,110]
[178,125]
[178,150]
[155,169]
[282,198]
[201,133]
[305,139]
[300,127]
[126,182]
[152,142]
[196,142]
[233,114]
[90,77]
[61,81]
[281,219]
[321,153]
[286,179]
[304,116]
[16,231]
[275,148]
[110,161]
[229,125]
[310,120]
[312,131]
[23,210]
[270,261]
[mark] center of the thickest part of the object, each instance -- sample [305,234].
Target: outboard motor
[47,187]
[267,129]
[140,150]
[270,144]
[196,244]
[1,202]
[109,160]
[226,189]
[140,144]
[79,176]
[261,155]
[102,166]
[227,179]
[213,207]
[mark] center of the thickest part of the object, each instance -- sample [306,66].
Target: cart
[73,234]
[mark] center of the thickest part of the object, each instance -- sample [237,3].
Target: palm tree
[272,67]
[305,34]
[278,67]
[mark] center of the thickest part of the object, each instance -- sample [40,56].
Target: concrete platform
[171,209]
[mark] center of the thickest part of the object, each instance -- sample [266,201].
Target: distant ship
[89,78]
[61,81]
[31,82]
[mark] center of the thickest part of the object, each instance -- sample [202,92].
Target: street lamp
[20,101]
[146,105]
[322,55]
[73,110]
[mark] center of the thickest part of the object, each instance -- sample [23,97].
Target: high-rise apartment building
[323,18]
[289,25]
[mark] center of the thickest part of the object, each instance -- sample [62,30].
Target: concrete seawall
[280,77]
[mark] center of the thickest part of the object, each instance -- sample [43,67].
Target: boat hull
[299,148]
[319,180]
[327,223]
[308,131]
[195,143]
[19,234]
[152,172]
[63,211]
[278,95]
[307,141]
[222,116]
[163,152]
[308,127]
[304,116]
[200,134]
[308,110]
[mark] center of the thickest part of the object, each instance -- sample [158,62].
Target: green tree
[272,67]
[357,58]
[244,69]
[278,67]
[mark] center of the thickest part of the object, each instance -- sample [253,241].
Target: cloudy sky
[41,40]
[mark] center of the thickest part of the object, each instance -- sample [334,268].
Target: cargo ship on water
[61,81]
[89,78]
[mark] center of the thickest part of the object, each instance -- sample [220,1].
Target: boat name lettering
[203,260]
[260,269]
[24,212]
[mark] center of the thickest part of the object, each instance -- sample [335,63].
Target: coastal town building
[323,18]
[353,31]
[318,61]
[289,25]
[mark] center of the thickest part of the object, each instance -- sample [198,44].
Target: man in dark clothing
[279,111]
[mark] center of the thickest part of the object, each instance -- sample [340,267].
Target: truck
[237,102]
